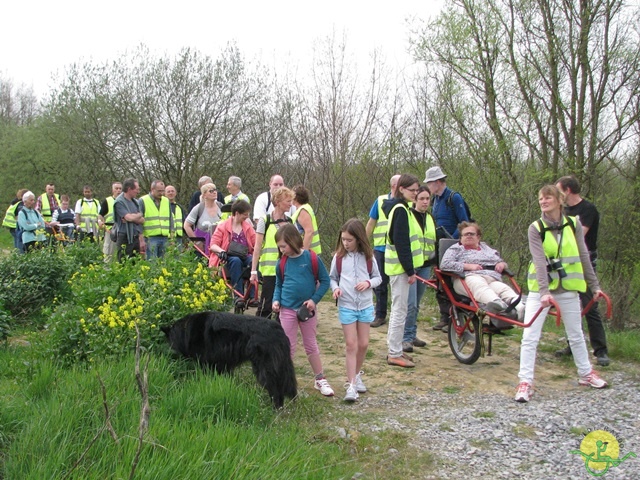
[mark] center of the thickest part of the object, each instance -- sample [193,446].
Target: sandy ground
[436,367]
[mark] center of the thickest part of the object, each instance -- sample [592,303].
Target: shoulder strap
[314,264]
[199,213]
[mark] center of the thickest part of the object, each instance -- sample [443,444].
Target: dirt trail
[436,367]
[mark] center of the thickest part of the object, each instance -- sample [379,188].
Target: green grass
[201,425]
[6,240]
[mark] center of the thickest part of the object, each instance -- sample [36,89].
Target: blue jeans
[156,247]
[235,266]
[416,291]
[381,291]
[17,240]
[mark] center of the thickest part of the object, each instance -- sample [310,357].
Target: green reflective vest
[392,265]
[568,255]
[380,231]
[269,254]
[108,219]
[228,199]
[89,210]
[156,220]
[178,220]
[315,242]
[45,208]
[10,220]
[428,237]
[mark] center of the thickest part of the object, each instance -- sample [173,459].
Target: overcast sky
[39,37]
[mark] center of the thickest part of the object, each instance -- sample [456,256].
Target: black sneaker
[565,352]
[603,359]
[419,343]
[378,322]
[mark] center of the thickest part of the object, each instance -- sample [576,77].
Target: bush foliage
[106,303]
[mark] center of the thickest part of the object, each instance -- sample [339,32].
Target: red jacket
[222,237]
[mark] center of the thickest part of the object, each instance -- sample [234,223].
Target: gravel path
[491,435]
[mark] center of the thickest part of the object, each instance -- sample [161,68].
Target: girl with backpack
[354,274]
[301,281]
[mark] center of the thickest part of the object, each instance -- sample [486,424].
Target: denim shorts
[348,316]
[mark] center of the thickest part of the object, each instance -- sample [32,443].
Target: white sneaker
[524,393]
[324,387]
[360,386]
[592,380]
[352,394]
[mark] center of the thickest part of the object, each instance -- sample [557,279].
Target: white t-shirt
[262,207]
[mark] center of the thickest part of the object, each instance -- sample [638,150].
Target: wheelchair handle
[552,304]
[604,297]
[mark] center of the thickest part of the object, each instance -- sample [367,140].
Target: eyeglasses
[414,190]
[469,234]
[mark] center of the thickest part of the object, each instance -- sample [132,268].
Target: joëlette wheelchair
[470,322]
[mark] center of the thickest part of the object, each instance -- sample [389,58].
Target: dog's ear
[166,329]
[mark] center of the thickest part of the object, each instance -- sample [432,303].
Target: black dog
[223,341]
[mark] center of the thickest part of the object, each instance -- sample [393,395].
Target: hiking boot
[360,386]
[324,387]
[407,347]
[378,322]
[592,380]
[524,392]
[352,394]
[400,362]
[565,352]
[444,326]
[603,359]
[419,343]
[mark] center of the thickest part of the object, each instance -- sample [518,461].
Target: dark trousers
[381,291]
[595,327]
[125,249]
[597,337]
[444,305]
[266,296]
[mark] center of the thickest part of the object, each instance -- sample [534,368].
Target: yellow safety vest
[89,210]
[392,265]
[227,199]
[45,209]
[380,231]
[156,220]
[428,236]
[108,219]
[315,242]
[177,221]
[569,256]
[10,220]
[270,253]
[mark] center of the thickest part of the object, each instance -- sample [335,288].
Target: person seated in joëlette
[239,229]
[482,267]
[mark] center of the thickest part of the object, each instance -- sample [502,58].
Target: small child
[354,273]
[302,281]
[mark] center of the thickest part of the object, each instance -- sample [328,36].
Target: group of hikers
[277,239]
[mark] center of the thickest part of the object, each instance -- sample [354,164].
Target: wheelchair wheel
[465,337]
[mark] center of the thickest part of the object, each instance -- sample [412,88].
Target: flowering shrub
[107,302]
